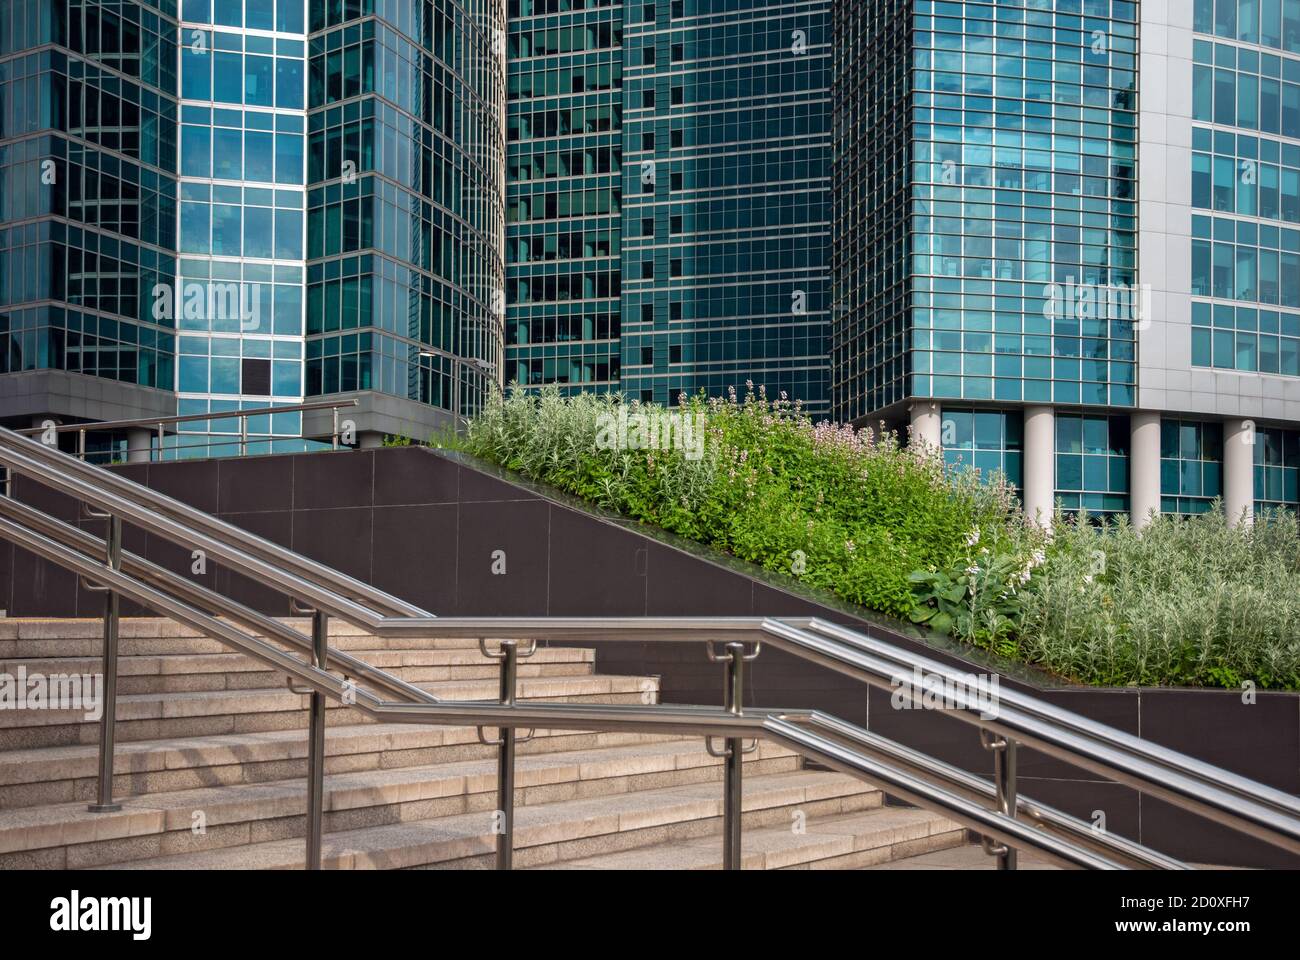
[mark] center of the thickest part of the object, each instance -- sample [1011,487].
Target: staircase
[211,763]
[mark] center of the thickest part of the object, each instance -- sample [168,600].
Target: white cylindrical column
[1239,471]
[1144,467]
[927,424]
[138,445]
[1039,491]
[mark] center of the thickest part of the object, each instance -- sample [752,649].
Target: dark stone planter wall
[425,526]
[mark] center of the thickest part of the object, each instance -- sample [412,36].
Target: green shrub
[1188,601]
[838,508]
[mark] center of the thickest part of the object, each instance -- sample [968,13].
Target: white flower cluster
[1036,560]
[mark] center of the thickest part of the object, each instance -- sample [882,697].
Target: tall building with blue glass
[564,133]
[89,116]
[1065,243]
[669,216]
[247,203]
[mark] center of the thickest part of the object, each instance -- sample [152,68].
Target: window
[647,356]
[256,377]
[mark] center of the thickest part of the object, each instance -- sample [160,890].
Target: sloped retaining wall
[459,537]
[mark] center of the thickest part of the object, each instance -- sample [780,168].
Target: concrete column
[1039,492]
[927,424]
[1144,467]
[139,443]
[1239,471]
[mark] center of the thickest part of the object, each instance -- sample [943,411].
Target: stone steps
[62,774]
[82,637]
[66,835]
[550,832]
[197,672]
[207,737]
[154,716]
[848,842]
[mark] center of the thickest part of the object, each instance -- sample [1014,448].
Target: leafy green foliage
[1191,602]
[838,508]
[1187,601]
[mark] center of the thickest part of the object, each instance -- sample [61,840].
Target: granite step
[550,832]
[83,637]
[67,835]
[44,775]
[194,672]
[153,716]
[848,842]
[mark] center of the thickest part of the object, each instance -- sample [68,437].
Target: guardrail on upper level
[157,428]
[992,808]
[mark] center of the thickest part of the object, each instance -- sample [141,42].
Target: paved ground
[969,857]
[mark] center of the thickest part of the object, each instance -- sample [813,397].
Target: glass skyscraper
[1061,243]
[669,218]
[564,193]
[242,215]
[245,203]
[89,116]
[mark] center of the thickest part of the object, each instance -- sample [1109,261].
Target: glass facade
[1277,469]
[1191,465]
[990,441]
[246,203]
[872,134]
[242,220]
[986,233]
[564,131]
[1092,463]
[668,199]
[88,188]
[726,202]
[1246,194]
[405,277]
[1023,184]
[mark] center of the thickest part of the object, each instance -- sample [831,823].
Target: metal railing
[157,426]
[994,809]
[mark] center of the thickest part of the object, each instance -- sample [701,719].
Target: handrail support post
[734,761]
[108,718]
[1004,781]
[316,745]
[505,824]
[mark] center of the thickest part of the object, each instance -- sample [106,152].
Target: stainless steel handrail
[99,426]
[162,515]
[776,725]
[157,425]
[1013,821]
[1191,784]
[209,600]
